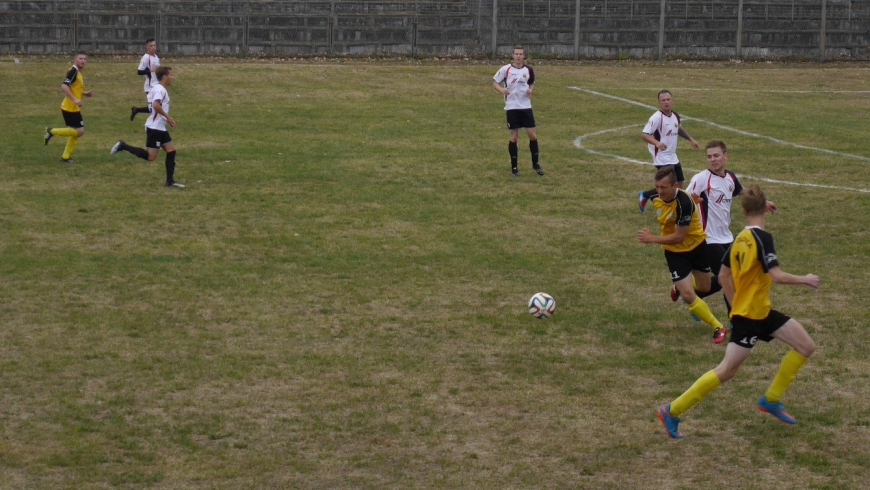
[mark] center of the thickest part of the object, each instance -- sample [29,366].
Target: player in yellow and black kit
[684,242]
[73,88]
[747,271]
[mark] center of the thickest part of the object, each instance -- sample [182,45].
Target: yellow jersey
[750,259]
[76,84]
[681,211]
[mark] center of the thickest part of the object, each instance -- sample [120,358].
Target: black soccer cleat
[48,135]
[538,169]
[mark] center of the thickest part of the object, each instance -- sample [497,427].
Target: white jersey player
[713,190]
[147,68]
[516,82]
[156,134]
[661,133]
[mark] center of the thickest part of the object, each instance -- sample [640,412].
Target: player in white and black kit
[147,67]
[516,82]
[661,134]
[156,135]
[713,190]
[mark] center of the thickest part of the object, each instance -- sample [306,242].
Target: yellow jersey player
[684,242]
[73,88]
[747,271]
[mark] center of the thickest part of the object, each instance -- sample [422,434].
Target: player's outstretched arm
[780,276]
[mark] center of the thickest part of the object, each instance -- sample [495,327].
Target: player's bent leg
[691,397]
[734,357]
[794,334]
[788,369]
[685,289]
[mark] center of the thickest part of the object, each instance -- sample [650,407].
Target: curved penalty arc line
[579,143]
[727,128]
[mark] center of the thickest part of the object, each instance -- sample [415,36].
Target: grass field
[337,300]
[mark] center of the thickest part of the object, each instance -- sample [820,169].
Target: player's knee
[688,296]
[725,372]
[807,349]
[152,156]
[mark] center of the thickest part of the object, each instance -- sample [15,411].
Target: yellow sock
[700,309]
[702,387]
[70,146]
[68,132]
[791,364]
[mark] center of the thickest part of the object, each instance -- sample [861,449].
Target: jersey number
[749,340]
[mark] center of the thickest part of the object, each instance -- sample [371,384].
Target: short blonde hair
[753,200]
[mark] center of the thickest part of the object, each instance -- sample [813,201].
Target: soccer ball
[542,306]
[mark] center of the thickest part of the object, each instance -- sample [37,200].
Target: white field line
[754,91]
[728,128]
[578,142]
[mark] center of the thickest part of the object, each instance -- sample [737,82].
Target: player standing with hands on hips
[156,135]
[147,67]
[516,82]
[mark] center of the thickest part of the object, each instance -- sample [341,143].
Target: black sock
[715,287]
[170,167]
[142,110]
[533,147]
[512,150]
[648,193]
[139,152]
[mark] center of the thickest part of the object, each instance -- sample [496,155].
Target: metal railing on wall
[558,28]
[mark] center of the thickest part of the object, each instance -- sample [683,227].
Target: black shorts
[715,253]
[520,118]
[73,119]
[681,264]
[746,332]
[154,138]
[678,170]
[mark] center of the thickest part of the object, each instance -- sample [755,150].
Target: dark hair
[149,40]
[79,53]
[162,71]
[753,200]
[667,172]
[717,144]
[665,91]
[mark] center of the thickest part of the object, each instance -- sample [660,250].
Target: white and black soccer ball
[542,306]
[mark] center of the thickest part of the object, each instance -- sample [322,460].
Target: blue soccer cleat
[775,409]
[641,201]
[671,423]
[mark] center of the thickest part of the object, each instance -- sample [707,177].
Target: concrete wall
[813,29]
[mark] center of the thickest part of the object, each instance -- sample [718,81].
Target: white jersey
[716,195]
[517,81]
[665,129]
[152,62]
[155,120]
